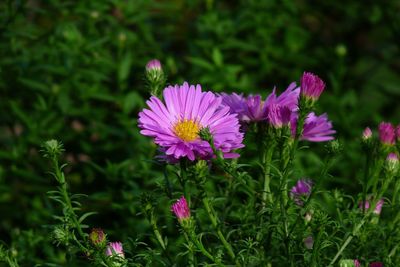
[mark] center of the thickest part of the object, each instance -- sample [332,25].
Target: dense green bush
[73,71]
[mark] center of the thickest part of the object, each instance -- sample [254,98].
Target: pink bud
[153,64]
[181,209]
[115,249]
[367,133]
[311,86]
[387,133]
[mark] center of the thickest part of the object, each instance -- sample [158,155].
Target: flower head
[255,109]
[115,249]
[301,189]
[181,209]
[288,98]
[387,133]
[378,207]
[97,237]
[153,64]
[311,86]
[235,102]
[367,134]
[316,128]
[278,115]
[176,124]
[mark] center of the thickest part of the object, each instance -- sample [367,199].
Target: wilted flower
[301,189]
[378,207]
[175,126]
[97,237]
[309,242]
[311,86]
[278,115]
[115,249]
[181,209]
[367,134]
[387,133]
[316,128]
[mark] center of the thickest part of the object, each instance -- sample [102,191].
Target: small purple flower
[289,98]
[309,242]
[301,189]
[376,264]
[115,249]
[378,207]
[175,125]
[316,128]
[367,133]
[387,133]
[311,86]
[255,109]
[357,263]
[153,64]
[181,209]
[278,115]
[235,102]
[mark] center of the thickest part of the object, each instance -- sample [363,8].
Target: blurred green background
[73,71]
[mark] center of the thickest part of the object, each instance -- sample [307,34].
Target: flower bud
[387,133]
[392,162]
[155,76]
[367,134]
[349,263]
[97,237]
[153,65]
[301,189]
[311,86]
[181,209]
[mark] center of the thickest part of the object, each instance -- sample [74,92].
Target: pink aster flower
[115,249]
[176,124]
[377,209]
[181,209]
[289,97]
[255,109]
[367,133]
[153,64]
[387,133]
[316,128]
[301,189]
[278,115]
[311,86]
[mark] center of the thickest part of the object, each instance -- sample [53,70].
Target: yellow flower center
[187,130]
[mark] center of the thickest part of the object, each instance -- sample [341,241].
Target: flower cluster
[176,123]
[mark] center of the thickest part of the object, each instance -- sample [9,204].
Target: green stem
[199,245]
[215,223]
[267,158]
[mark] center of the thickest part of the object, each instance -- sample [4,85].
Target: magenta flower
[289,98]
[378,207]
[115,249]
[278,115]
[387,133]
[376,264]
[311,86]
[367,133]
[255,109]
[175,126]
[357,263]
[316,128]
[301,189]
[398,132]
[153,64]
[181,209]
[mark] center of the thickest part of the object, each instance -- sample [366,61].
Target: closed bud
[392,162]
[97,237]
[367,134]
